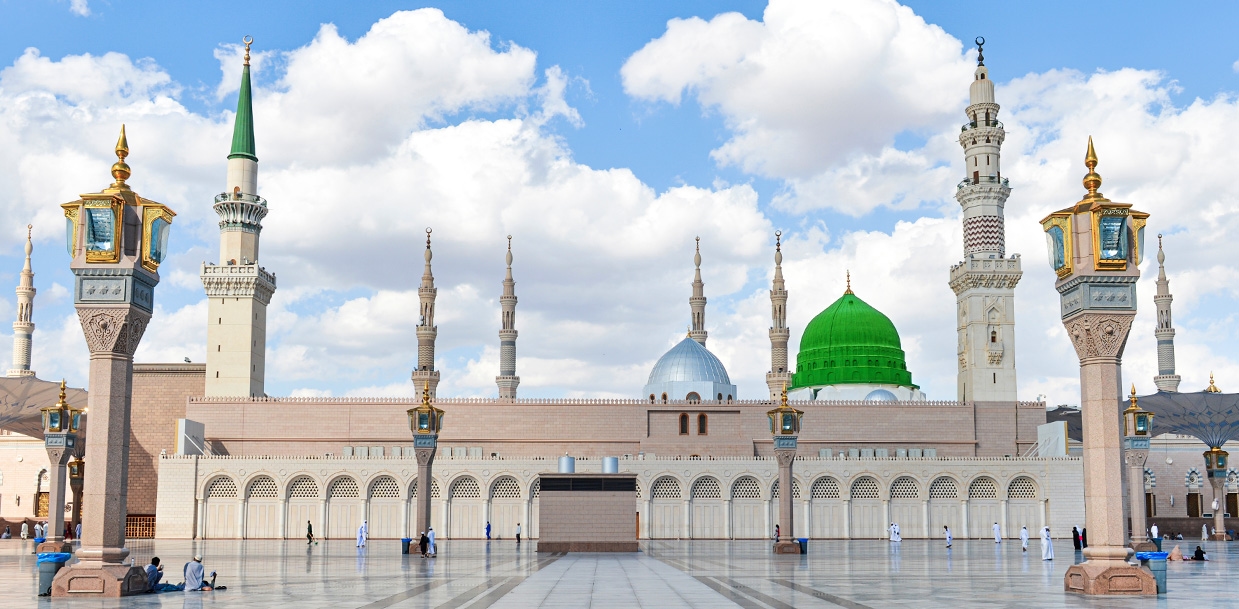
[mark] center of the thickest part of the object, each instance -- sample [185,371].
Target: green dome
[850,342]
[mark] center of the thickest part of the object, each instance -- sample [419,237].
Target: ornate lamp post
[425,421]
[60,425]
[117,240]
[1137,424]
[1095,247]
[1216,462]
[785,427]
[77,469]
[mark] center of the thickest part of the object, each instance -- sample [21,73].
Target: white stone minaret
[1166,379]
[238,289]
[778,378]
[425,375]
[698,301]
[984,283]
[507,379]
[23,327]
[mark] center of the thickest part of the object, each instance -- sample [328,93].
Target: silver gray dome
[881,395]
[689,361]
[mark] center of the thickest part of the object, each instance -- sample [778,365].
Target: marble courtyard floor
[666,574]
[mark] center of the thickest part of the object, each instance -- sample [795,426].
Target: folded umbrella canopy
[1211,417]
[22,398]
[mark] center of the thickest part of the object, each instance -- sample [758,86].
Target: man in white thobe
[1023,539]
[997,533]
[362,532]
[25,531]
[894,528]
[1204,532]
[431,537]
[949,539]
[1153,532]
[1047,546]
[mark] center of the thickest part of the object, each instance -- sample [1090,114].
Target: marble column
[59,446]
[786,544]
[1135,460]
[1218,533]
[425,480]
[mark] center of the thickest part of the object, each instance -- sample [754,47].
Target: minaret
[984,283]
[1166,379]
[23,328]
[698,301]
[425,375]
[778,378]
[238,289]
[507,379]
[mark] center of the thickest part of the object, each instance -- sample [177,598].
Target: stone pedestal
[112,334]
[786,544]
[425,448]
[1109,578]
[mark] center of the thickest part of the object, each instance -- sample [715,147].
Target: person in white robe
[430,535]
[949,539]
[1047,545]
[894,528]
[1023,539]
[1153,532]
[997,533]
[362,532]
[1204,532]
[25,531]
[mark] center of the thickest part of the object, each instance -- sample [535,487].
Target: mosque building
[873,448]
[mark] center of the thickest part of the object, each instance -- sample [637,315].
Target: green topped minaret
[238,289]
[243,128]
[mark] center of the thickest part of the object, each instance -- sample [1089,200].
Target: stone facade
[160,392]
[721,498]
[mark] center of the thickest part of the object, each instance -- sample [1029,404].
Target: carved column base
[1109,578]
[1219,537]
[787,547]
[1143,546]
[55,546]
[99,581]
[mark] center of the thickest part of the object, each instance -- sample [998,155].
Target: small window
[693,396]
[703,424]
[720,397]
[683,424]
[993,336]
[664,398]
[651,398]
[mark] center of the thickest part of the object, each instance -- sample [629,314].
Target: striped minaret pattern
[984,282]
[23,327]
[425,375]
[507,379]
[1166,379]
[698,301]
[778,377]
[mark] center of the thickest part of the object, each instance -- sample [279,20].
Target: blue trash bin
[404,544]
[804,544]
[1155,562]
[49,563]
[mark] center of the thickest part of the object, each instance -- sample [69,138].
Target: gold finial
[1133,398]
[849,290]
[426,393]
[783,397]
[62,403]
[1212,388]
[1092,180]
[120,169]
[248,40]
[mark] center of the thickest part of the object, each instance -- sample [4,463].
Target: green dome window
[856,335]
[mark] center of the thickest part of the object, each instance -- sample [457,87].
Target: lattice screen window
[1192,479]
[413,488]
[774,490]
[263,488]
[707,488]
[983,488]
[385,488]
[904,488]
[537,487]
[865,488]
[1150,479]
[506,488]
[343,488]
[745,488]
[222,488]
[434,489]
[466,488]
[825,488]
[665,488]
[1022,488]
[943,488]
[303,488]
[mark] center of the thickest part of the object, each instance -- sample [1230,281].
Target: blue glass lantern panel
[159,239]
[1112,237]
[789,421]
[100,229]
[53,420]
[70,224]
[423,421]
[1140,246]
[1221,461]
[77,421]
[1142,424]
[1056,247]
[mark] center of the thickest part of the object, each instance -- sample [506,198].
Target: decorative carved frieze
[113,330]
[238,281]
[785,457]
[1099,334]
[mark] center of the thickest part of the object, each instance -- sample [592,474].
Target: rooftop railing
[241,197]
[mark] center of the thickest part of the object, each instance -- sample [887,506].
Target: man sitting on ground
[195,573]
[154,573]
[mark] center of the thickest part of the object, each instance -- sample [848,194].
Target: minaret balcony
[983,180]
[240,211]
[237,196]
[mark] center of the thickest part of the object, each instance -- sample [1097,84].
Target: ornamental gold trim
[152,211]
[1109,209]
[1063,221]
[117,205]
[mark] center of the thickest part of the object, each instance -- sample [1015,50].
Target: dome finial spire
[248,40]
[120,169]
[849,288]
[1092,180]
[980,50]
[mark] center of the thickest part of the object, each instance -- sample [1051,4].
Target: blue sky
[595,328]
